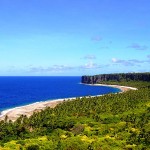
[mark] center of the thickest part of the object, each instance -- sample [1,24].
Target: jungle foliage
[111,122]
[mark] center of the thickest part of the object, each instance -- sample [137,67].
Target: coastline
[28,110]
[122,88]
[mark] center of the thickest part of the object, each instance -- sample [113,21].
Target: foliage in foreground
[110,122]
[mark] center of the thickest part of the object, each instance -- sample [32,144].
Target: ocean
[19,91]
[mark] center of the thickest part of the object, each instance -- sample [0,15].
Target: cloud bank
[137,46]
[90,57]
[130,62]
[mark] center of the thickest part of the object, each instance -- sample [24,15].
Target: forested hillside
[111,122]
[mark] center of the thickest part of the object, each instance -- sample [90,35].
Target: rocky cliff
[116,77]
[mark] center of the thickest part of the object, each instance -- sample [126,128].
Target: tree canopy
[112,121]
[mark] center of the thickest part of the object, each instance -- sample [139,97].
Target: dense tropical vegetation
[110,122]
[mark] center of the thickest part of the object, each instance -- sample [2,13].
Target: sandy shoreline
[122,88]
[28,110]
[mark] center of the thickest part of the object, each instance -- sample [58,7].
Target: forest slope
[113,121]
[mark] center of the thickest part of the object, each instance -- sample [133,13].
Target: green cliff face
[116,77]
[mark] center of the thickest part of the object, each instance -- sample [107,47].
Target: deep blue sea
[19,91]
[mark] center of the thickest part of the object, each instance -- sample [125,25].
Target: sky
[74,37]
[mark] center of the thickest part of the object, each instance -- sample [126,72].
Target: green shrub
[33,147]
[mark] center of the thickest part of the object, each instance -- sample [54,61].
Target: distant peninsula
[119,77]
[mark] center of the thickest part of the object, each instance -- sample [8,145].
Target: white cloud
[137,46]
[54,68]
[131,62]
[89,57]
[114,60]
[90,65]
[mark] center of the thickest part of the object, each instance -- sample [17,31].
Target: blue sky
[74,37]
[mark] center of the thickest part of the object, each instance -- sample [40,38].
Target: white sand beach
[28,110]
[122,88]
